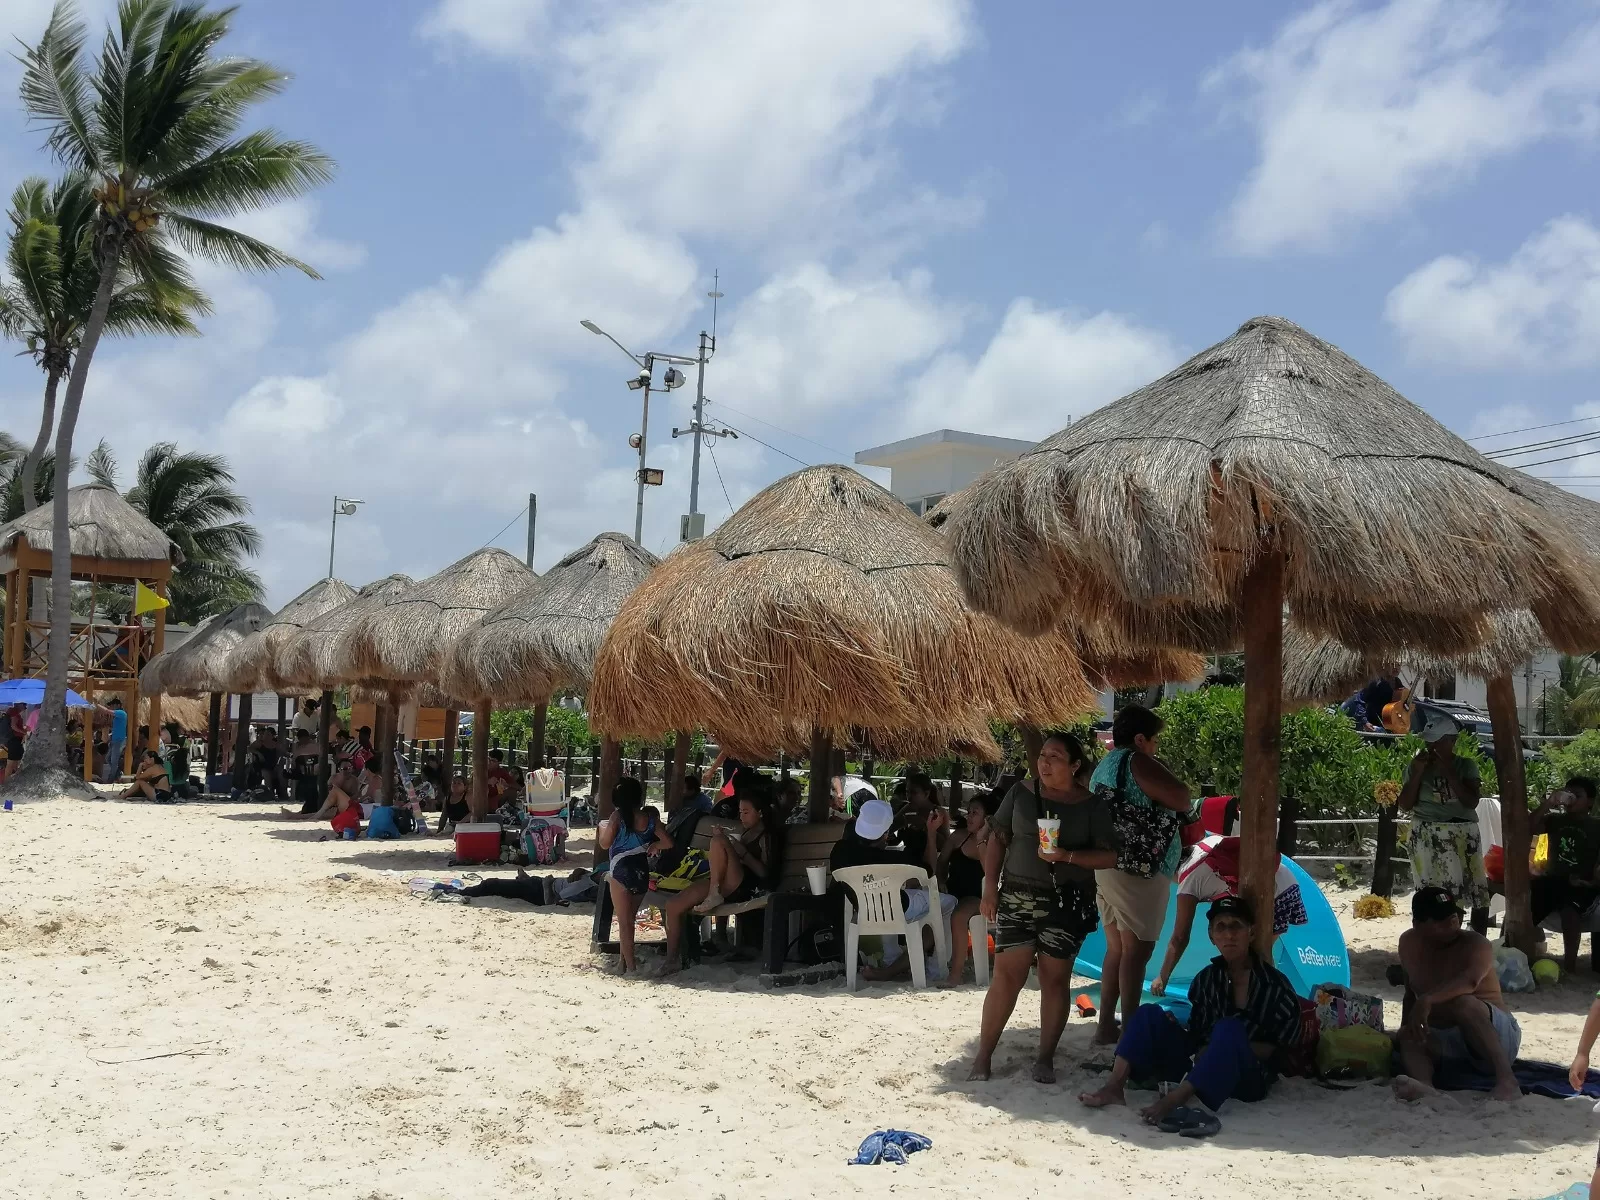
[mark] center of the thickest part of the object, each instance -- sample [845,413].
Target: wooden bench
[803,846]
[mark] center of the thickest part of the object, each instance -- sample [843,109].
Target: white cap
[874,819]
[1436,724]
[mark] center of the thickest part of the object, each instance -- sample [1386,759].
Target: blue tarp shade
[1308,954]
[31,691]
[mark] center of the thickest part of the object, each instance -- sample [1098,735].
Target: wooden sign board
[363,714]
[429,724]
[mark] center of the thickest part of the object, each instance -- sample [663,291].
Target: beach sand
[320,1036]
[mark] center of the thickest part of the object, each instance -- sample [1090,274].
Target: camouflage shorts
[1052,921]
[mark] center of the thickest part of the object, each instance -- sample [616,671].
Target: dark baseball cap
[1433,904]
[1232,906]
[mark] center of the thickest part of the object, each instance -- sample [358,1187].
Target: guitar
[1397,713]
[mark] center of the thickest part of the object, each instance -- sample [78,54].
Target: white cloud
[292,228]
[809,343]
[1361,111]
[1042,369]
[500,27]
[1539,309]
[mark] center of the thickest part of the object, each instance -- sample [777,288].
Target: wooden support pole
[819,798]
[1288,830]
[1514,825]
[241,740]
[283,718]
[1263,722]
[1032,743]
[447,753]
[672,797]
[1383,860]
[610,771]
[953,800]
[213,735]
[541,721]
[324,736]
[480,760]
[389,724]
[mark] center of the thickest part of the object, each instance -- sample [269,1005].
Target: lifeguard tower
[112,543]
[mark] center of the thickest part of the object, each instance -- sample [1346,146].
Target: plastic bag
[1354,1052]
[1512,966]
[1540,859]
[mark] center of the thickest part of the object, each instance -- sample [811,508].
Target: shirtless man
[1456,1012]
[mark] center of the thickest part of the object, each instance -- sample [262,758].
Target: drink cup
[817,877]
[1049,835]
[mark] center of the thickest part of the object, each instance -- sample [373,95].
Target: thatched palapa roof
[405,637]
[199,666]
[1145,515]
[310,657]
[547,637]
[823,603]
[252,667]
[100,524]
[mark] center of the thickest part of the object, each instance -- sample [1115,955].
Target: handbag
[1144,830]
[1339,1007]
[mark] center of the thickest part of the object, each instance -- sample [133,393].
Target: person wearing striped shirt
[1243,1013]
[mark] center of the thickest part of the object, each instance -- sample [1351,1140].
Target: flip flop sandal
[1190,1123]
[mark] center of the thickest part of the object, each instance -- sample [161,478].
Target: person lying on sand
[1454,1010]
[1243,1012]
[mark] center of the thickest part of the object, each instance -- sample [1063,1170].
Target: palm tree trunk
[50,742]
[30,465]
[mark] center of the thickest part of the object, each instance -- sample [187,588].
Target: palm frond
[251,172]
[102,464]
[56,92]
[221,244]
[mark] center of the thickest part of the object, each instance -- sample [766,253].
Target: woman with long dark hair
[1042,903]
[631,834]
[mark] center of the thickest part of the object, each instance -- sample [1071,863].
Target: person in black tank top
[961,875]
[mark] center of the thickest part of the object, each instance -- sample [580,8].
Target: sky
[921,213]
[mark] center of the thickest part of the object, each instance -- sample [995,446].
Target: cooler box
[478,843]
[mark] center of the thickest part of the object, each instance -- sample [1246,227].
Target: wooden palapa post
[241,740]
[541,719]
[480,760]
[1263,721]
[447,752]
[389,720]
[1032,743]
[324,734]
[1514,824]
[213,735]
[819,797]
[610,772]
[672,797]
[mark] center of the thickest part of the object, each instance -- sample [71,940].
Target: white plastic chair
[882,912]
[1489,833]
[978,931]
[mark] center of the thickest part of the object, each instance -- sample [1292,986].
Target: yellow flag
[144,600]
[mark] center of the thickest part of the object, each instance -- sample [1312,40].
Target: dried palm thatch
[825,604]
[404,639]
[1322,670]
[199,666]
[1145,515]
[100,524]
[309,658]
[252,665]
[193,716]
[1109,661]
[547,637]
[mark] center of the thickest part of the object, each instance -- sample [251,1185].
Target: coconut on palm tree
[49,287]
[155,121]
[190,497]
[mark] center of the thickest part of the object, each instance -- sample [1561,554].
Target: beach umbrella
[310,657]
[252,665]
[31,691]
[402,641]
[200,665]
[825,611]
[1269,471]
[1324,670]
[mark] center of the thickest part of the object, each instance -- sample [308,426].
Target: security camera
[673,378]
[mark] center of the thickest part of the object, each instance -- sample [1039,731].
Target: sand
[194,1004]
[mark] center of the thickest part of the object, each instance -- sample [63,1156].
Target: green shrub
[1580,756]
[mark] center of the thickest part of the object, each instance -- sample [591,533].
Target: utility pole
[693,526]
[533,523]
[644,434]
[699,421]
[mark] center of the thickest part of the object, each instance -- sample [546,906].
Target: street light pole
[644,432]
[341,508]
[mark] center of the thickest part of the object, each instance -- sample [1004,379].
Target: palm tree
[155,120]
[52,276]
[13,459]
[1572,704]
[190,497]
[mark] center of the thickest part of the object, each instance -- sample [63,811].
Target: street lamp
[642,382]
[341,508]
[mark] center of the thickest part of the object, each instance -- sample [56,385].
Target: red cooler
[478,843]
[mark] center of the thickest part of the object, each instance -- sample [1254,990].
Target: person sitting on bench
[1243,1012]
[866,844]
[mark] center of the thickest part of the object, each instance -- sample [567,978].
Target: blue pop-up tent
[1308,954]
[31,691]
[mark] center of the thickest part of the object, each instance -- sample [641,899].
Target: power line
[506,526]
[1575,439]
[1531,428]
[718,466]
[1564,458]
[786,432]
[770,446]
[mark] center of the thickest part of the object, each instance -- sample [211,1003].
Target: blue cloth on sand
[889,1145]
[381,824]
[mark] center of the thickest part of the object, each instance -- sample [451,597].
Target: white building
[923,470]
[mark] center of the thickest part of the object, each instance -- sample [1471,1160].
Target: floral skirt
[1449,854]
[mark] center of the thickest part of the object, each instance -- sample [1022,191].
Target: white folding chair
[882,912]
